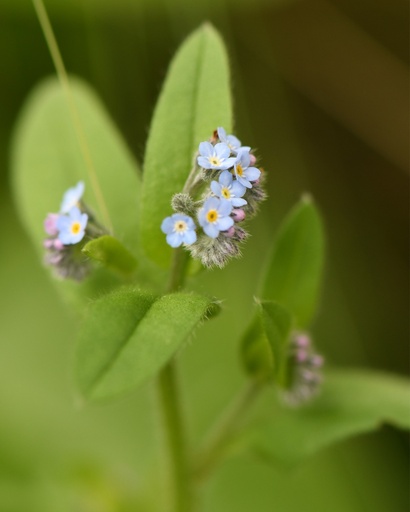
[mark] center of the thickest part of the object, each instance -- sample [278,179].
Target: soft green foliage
[129,335]
[47,160]
[351,402]
[296,264]
[264,343]
[194,101]
[112,254]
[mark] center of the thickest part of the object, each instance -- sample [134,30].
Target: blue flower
[233,143]
[71,227]
[215,157]
[229,189]
[245,174]
[180,229]
[72,197]
[214,216]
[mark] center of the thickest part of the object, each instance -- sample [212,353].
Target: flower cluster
[305,367]
[229,187]
[66,230]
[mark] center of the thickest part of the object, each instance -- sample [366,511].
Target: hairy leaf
[47,160]
[352,402]
[295,269]
[111,253]
[194,101]
[129,335]
[264,344]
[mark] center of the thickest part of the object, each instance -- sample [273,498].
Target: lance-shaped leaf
[128,335]
[112,254]
[194,101]
[295,268]
[47,160]
[265,342]
[352,402]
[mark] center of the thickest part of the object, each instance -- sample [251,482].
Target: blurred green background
[321,90]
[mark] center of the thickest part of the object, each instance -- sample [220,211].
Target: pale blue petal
[211,230]
[228,163]
[211,203]
[237,189]
[206,149]
[222,150]
[225,223]
[216,188]
[222,134]
[63,222]
[238,201]
[225,178]
[189,237]
[243,181]
[234,142]
[225,208]
[174,239]
[190,222]
[204,162]
[252,173]
[167,225]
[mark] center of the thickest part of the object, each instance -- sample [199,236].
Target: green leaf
[129,335]
[47,160]
[263,348]
[295,269]
[352,402]
[111,253]
[194,101]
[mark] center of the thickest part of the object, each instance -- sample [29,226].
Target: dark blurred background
[321,90]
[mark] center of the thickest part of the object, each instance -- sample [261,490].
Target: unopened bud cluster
[305,366]
[68,231]
[230,190]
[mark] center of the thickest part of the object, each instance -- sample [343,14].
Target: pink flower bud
[50,224]
[48,243]
[58,244]
[229,233]
[253,159]
[302,340]
[238,214]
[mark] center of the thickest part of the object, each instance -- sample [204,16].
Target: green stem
[217,442]
[75,117]
[172,411]
[175,435]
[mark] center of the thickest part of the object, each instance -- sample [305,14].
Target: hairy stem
[63,77]
[229,423]
[172,411]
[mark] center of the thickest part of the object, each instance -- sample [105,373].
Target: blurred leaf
[264,343]
[47,160]
[194,101]
[129,335]
[296,264]
[111,253]
[352,402]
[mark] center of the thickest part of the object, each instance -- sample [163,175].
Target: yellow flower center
[214,160]
[239,170]
[180,226]
[212,216]
[226,192]
[75,228]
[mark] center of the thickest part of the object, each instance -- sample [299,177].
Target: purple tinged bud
[238,214]
[58,245]
[301,356]
[302,341]
[50,224]
[229,233]
[253,159]
[316,361]
[48,243]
